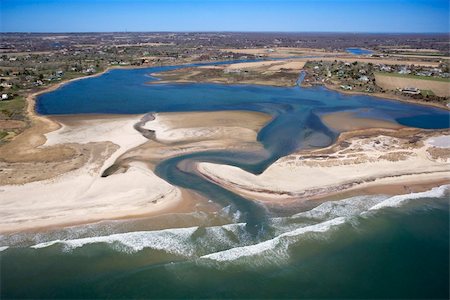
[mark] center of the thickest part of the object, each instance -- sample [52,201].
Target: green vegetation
[3,134]
[413,76]
[427,93]
[13,109]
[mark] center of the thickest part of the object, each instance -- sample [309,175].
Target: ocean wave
[232,242]
[342,208]
[185,242]
[277,246]
[175,241]
[397,201]
[329,215]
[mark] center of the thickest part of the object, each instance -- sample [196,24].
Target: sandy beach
[357,160]
[73,191]
[54,168]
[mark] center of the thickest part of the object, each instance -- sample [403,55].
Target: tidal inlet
[224,165]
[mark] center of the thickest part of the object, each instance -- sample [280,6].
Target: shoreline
[382,157]
[82,195]
[44,125]
[336,88]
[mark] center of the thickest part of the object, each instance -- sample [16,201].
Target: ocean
[374,246]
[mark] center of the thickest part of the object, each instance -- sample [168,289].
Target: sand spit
[386,157]
[194,126]
[189,132]
[82,195]
[349,121]
[78,152]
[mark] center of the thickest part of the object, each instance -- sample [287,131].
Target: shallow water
[341,248]
[359,51]
[295,110]
[362,247]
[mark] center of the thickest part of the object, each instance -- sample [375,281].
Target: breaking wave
[232,242]
[397,201]
[277,246]
[180,241]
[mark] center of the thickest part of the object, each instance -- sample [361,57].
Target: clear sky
[222,15]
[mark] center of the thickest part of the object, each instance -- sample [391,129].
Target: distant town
[410,66]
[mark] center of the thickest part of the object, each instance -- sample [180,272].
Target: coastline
[82,195]
[43,126]
[359,159]
[386,96]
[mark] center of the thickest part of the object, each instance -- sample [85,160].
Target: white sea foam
[397,201]
[233,242]
[175,241]
[179,241]
[278,244]
[342,208]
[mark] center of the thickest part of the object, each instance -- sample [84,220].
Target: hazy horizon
[328,16]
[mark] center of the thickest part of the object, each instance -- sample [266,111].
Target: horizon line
[227,31]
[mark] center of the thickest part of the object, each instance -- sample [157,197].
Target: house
[386,68]
[424,73]
[364,78]
[5,97]
[410,90]
[90,70]
[404,70]
[6,85]
[229,71]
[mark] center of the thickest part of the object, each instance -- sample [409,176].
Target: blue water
[296,123]
[358,51]
[128,92]
[397,252]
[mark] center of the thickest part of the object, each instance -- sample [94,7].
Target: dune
[357,162]
[83,195]
[79,194]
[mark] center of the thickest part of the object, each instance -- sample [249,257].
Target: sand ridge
[82,195]
[369,160]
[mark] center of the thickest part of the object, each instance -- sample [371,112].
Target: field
[12,118]
[392,81]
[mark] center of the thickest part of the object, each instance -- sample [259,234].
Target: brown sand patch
[12,124]
[348,121]
[440,88]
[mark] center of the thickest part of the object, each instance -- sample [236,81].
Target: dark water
[392,253]
[327,252]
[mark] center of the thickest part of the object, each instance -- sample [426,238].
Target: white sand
[118,130]
[442,141]
[166,133]
[83,195]
[294,176]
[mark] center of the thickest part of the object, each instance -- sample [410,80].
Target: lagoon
[346,248]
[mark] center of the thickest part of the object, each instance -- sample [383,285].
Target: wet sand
[78,193]
[348,121]
[53,170]
[386,157]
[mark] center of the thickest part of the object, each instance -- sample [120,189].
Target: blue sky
[222,15]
